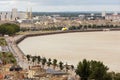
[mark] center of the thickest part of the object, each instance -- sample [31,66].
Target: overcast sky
[61,5]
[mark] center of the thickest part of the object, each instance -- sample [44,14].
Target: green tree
[66,67]
[83,69]
[3,42]
[38,59]
[61,65]
[49,62]
[72,28]
[92,70]
[28,57]
[33,59]
[89,26]
[94,26]
[54,63]
[72,67]
[44,61]
[98,70]
[13,61]
[109,76]
[7,58]
[117,76]
[9,29]
[111,26]
[85,27]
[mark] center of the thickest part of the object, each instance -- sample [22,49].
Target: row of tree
[11,29]
[80,27]
[83,27]
[48,62]
[42,29]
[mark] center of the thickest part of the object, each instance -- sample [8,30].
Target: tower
[27,14]
[30,13]
[14,14]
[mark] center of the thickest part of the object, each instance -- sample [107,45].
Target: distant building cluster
[14,15]
[102,16]
[27,20]
[39,22]
[115,17]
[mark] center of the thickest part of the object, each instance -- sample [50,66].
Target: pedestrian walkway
[18,54]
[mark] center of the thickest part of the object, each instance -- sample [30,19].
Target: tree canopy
[92,70]
[83,69]
[9,29]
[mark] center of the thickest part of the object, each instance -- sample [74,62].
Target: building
[82,17]
[113,17]
[4,49]
[21,15]
[28,14]
[103,14]
[14,15]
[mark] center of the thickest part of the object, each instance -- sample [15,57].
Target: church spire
[30,13]
[27,15]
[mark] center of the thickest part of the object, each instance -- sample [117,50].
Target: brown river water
[74,47]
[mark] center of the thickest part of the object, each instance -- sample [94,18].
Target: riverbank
[48,33]
[31,34]
[37,33]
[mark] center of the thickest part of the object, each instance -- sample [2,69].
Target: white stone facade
[12,16]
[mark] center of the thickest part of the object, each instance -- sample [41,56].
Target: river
[74,47]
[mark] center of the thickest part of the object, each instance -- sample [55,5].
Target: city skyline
[60,5]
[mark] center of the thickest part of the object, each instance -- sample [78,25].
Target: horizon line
[64,11]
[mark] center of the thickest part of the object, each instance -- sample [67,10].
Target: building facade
[12,16]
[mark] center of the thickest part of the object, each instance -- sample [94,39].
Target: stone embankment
[59,32]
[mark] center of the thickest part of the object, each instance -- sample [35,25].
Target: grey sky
[61,5]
